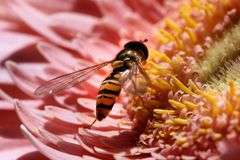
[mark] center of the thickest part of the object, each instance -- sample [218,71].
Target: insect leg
[144,106]
[92,123]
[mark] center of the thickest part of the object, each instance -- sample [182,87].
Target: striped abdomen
[108,92]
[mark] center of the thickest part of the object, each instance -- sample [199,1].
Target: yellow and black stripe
[109,90]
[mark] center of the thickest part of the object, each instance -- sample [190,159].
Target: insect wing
[135,80]
[68,80]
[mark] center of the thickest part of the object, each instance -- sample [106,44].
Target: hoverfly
[127,73]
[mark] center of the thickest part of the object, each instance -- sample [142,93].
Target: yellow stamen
[186,145]
[229,107]
[181,86]
[176,104]
[179,59]
[164,111]
[209,10]
[179,43]
[161,70]
[162,56]
[210,7]
[237,129]
[159,36]
[238,100]
[190,105]
[169,122]
[194,87]
[232,88]
[209,98]
[185,8]
[213,100]
[157,84]
[164,85]
[172,25]
[215,111]
[203,131]
[181,140]
[153,72]
[225,2]
[150,90]
[167,34]
[180,121]
[236,113]
[174,133]
[162,135]
[210,91]
[197,4]
[188,19]
[217,136]
[158,125]
[191,34]
[205,122]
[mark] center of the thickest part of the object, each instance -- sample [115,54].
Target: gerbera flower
[190,110]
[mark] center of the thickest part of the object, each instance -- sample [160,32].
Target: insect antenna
[145,40]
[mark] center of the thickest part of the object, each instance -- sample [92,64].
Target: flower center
[222,60]
[197,59]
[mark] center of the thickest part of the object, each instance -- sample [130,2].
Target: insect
[127,73]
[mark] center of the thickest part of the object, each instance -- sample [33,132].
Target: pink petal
[65,146]
[96,49]
[35,119]
[64,115]
[6,13]
[12,42]
[107,31]
[5,96]
[50,137]
[68,100]
[83,23]
[9,92]
[61,58]
[90,148]
[154,8]
[7,102]
[72,148]
[29,117]
[54,5]
[158,156]
[46,150]
[23,76]
[126,21]
[6,25]
[5,78]
[36,155]
[6,105]
[21,152]
[13,91]
[13,145]
[37,21]
[106,145]
[114,10]
[87,103]
[122,140]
